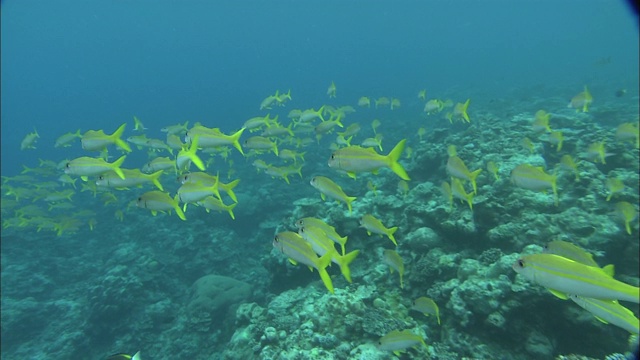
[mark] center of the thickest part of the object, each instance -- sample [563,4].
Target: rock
[214,294]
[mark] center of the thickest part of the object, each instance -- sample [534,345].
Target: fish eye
[101,177]
[302,229]
[68,165]
[521,263]
[140,199]
[333,156]
[276,239]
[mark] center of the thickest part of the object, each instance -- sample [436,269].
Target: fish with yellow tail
[331,91]
[208,180]
[375,226]
[159,201]
[214,137]
[534,178]
[133,177]
[329,230]
[457,190]
[300,251]
[194,192]
[628,132]
[460,111]
[188,155]
[355,159]
[330,189]
[556,138]
[562,276]
[213,203]
[609,312]
[97,140]
[87,166]
[393,259]
[426,306]
[541,121]
[457,168]
[581,101]
[628,213]
[399,341]
[321,244]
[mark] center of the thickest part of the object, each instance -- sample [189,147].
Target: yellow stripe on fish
[355,159]
[563,276]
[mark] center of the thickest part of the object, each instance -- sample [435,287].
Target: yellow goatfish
[97,140]
[609,312]
[159,201]
[329,230]
[213,203]
[426,306]
[562,276]
[133,177]
[393,259]
[355,159]
[214,137]
[534,178]
[457,168]
[398,341]
[321,244]
[87,166]
[373,225]
[328,188]
[581,101]
[300,251]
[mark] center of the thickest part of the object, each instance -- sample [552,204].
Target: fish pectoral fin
[559,294]
[84,178]
[351,174]
[601,320]
[293,262]
[322,196]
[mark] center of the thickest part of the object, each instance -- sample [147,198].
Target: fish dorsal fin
[609,270]
[559,294]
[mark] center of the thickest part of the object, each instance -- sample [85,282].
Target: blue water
[92,65]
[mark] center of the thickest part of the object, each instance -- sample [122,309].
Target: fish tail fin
[229,189]
[191,153]
[350,199]
[323,262]
[393,158]
[115,166]
[470,200]
[116,136]
[320,111]
[230,210]
[235,140]
[390,234]
[176,206]
[154,179]
[216,187]
[464,111]
[473,177]
[344,262]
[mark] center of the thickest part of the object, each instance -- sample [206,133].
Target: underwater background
[87,272]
